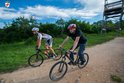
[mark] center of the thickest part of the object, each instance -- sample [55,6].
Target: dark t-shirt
[78,33]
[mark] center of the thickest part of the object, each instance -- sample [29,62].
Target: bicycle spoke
[58,71]
[35,60]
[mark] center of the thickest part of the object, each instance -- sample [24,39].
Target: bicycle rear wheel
[58,54]
[86,57]
[35,60]
[58,71]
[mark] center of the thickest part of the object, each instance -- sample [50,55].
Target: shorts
[49,42]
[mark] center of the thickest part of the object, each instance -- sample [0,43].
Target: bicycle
[37,59]
[61,67]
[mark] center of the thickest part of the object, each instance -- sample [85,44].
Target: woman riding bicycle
[48,39]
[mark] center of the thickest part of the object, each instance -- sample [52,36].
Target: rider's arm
[66,39]
[39,40]
[38,43]
[75,43]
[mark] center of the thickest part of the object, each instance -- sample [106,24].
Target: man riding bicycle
[48,39]
[79,41]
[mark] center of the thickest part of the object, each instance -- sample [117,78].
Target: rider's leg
[81,52]
[52,50]
[47,50]
[71,55]
[49,44]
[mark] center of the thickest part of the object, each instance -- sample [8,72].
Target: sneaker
[54,57]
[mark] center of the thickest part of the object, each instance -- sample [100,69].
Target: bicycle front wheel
[35,60]
[58,71]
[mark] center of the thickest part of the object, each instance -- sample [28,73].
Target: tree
[19,29]
[61,23]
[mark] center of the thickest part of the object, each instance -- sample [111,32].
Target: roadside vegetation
[17,42]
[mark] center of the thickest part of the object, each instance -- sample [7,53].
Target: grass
[116,78]
[14,56]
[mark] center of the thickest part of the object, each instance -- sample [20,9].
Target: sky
[52,10]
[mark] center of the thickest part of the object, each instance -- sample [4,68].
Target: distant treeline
[20,28]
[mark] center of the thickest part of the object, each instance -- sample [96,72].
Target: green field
[14,56]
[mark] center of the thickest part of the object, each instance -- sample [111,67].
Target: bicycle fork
[61,67]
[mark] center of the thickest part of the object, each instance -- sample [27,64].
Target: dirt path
[105,60]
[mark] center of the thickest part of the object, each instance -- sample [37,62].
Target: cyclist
[79,41]
[48,39]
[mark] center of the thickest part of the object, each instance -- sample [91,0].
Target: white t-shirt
[43,35]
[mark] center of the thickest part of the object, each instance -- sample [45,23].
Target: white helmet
[35,29]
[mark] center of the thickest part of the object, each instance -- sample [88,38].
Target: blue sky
[52,10]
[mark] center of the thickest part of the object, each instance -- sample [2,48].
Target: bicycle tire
[58,53]
[64,64]
[86,56]
[36,57]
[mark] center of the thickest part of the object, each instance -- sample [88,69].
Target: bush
[20,29]
[30,41]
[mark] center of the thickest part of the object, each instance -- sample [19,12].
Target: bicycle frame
[67,55]
[38,51]
[49,53]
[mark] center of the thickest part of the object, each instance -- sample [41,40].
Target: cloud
[91,8]
[50,12]
[40,12]
[96,6]
[109,1]
[8,13]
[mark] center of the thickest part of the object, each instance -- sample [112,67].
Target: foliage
[20,28]
[14,56]
[116,78]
